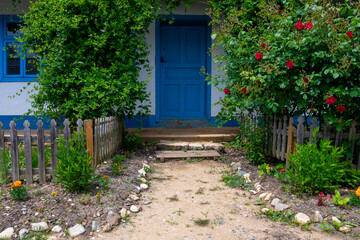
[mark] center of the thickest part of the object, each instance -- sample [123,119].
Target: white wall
[14,106]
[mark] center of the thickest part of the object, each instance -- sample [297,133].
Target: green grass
[202,222]
[234,181]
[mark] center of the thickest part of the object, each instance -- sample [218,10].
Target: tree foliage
[91,54]
[288,57]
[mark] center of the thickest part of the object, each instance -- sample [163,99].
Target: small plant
[326,227]
[116,169]
[132,141]
[265,169]
[173,198]
[354,198]
[104,182]
[98,198]
[18,191]
[200,191]
[148,170]
[55,196]
[337,200]
[279,216]
[119,159]
[322,199]
[194,160]
[85,199]
[74,169]
[202,222]
[236,181]
[38,193]
[317,167]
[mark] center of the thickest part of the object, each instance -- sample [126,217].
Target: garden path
[182,193]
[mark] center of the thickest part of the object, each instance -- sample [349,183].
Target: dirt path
[182,193]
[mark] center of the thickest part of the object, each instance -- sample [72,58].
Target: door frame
[200,20]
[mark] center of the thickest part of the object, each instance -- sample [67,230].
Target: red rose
[258,82]
[330,100]
[341,108]
[290,64]
[349,34]
[263,45]
[243,90]
[299,26]
[306,80]
[309,25]
[280,11]
[258,56]
[226,91]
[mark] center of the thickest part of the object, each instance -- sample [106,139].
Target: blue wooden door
[182,87]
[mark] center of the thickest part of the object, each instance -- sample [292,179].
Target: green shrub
[318,167]
[132,141]
[74,169]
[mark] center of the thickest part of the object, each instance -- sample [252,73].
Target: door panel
[182,87]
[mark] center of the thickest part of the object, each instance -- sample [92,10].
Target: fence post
[278,133]
[289,142]
[300,131]
[312,128]
[88,128]
[53,137]
[67,132]
[274,137]
[14,152]
[79,123]
[28,160]
[339,135]
[283,142]
[352,133]
[3,171]
[326,135]
[41,151]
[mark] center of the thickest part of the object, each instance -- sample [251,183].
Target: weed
[38,193]
[200,181]
[178,212]
[205,203]
[216,188]
[279,216]
[202,222]
[236,181]
[173,198]
[187,225]
[148,170]
[200,191]
[337,200]
[247,204]
[194,160]
[172,223]
[85,199]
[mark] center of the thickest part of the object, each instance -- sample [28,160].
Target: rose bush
[307,58]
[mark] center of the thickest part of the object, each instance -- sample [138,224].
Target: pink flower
[309,25]
[243,90]
[306,80]
[299,26]
[341,108]
[290,64]
[226,91]
[259,56]
[331,100]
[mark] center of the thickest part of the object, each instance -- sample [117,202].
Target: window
[13,66]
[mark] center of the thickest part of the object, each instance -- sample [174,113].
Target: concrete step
[206,134]
[191,154]
[178,145]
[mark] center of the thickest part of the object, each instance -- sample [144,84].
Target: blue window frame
[13,66]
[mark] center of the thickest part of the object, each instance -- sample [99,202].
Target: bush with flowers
[18,191]
[289,57]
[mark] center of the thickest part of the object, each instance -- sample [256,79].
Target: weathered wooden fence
[281,135]
[103,139]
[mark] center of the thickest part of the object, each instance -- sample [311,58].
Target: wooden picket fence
[281,135]
[103,139]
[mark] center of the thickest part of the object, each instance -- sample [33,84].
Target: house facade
[180,97]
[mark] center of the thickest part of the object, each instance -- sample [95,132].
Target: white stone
[335,219]
[264,210]
[134,209]
[113,218]
[76,230]
[246,176]
[123,212]
[275,201]
[257,187]
[7,233]
[263,195]
[142,172]
[56,229]
[268,196]
[318,218]
[253,192]
[134,197]
[23,232]
[144,186]
[107,227]
[345,229]
[281,207]
[39,227]
[95,226]
[302,218]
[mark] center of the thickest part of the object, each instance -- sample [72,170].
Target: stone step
[191,154]
[179,145]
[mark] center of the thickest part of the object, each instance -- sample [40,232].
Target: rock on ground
[23,232]
[113,218]
[302,218]
[76,230]
[39,227]
[7,233]
[56,228]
